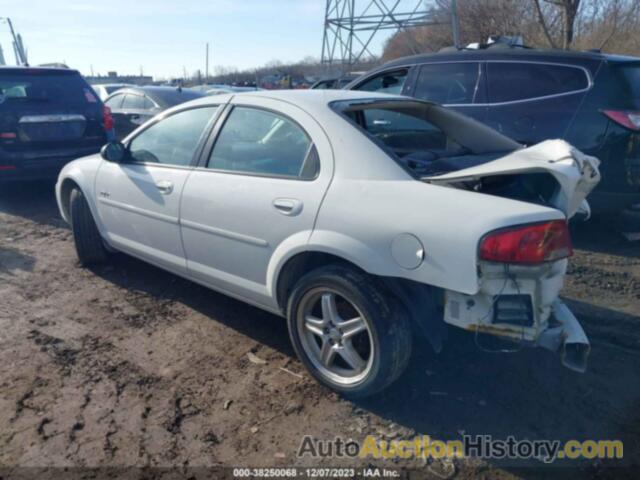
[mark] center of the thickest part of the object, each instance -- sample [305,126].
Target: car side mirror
[113,152]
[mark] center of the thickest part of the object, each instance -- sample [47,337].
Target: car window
[407,133]
[41,87]
[325,85]
[448,83]
[133,102]
[115,101]
[388,82]
[148,104]
[261,142]
[173,140]
[510,82]
[112,89]
[402,132]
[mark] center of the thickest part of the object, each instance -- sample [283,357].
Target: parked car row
[589,99]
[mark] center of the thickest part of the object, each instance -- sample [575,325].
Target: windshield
[24,88]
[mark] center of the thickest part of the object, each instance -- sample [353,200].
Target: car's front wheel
[350,334]
[88,241]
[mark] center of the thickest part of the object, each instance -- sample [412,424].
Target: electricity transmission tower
[351,25]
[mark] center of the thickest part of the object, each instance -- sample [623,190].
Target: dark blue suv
[591,100]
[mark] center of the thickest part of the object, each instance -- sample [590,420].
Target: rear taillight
[107,119]
[537,243]
[628,119]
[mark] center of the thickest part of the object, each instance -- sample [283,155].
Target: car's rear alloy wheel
[348,331]
[335,335]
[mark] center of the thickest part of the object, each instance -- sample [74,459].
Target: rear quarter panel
[359,220]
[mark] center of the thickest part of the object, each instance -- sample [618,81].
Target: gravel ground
[126,365]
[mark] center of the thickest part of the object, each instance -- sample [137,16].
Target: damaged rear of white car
[485,242]
[522,268]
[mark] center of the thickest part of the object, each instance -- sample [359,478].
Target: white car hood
[576,172]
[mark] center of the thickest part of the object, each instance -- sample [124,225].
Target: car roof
[307,99]
[113,85]
[504,52]
[17,69]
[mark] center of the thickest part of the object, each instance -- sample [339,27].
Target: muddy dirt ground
[126,365]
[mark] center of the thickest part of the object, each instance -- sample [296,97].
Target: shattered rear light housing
[528,244]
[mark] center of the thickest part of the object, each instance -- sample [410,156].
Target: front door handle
[288,206]
[164,186]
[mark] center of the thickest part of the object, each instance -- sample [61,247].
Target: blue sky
[164,36]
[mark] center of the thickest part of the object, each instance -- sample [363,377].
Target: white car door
[260,184]
[139,199]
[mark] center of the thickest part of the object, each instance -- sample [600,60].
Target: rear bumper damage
[568,339]
[521,304]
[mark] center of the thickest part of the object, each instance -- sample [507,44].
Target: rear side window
[509,82]
[260,142]
[148,104]
[115,101]
[42,87]
[388,82]
[134,102]
[448,83]
[173,140]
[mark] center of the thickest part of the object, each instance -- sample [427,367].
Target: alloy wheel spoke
[353,359]
[314,325]
[352,327]
[329,308]
[327,353]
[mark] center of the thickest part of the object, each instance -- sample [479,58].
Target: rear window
[423,138]
[44,87]
[509,82]
[175,97]
[412,139]
[630,75]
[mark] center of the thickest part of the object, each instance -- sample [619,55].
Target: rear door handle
[288,206]
[165,187]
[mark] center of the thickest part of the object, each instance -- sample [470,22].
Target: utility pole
[455,24]
[206,63]
[351,25]
[18,46]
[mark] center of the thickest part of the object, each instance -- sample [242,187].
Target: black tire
[387,321]
[89,244]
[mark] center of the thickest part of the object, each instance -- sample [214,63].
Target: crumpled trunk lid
[576,174]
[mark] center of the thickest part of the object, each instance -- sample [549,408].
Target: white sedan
[362,218]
